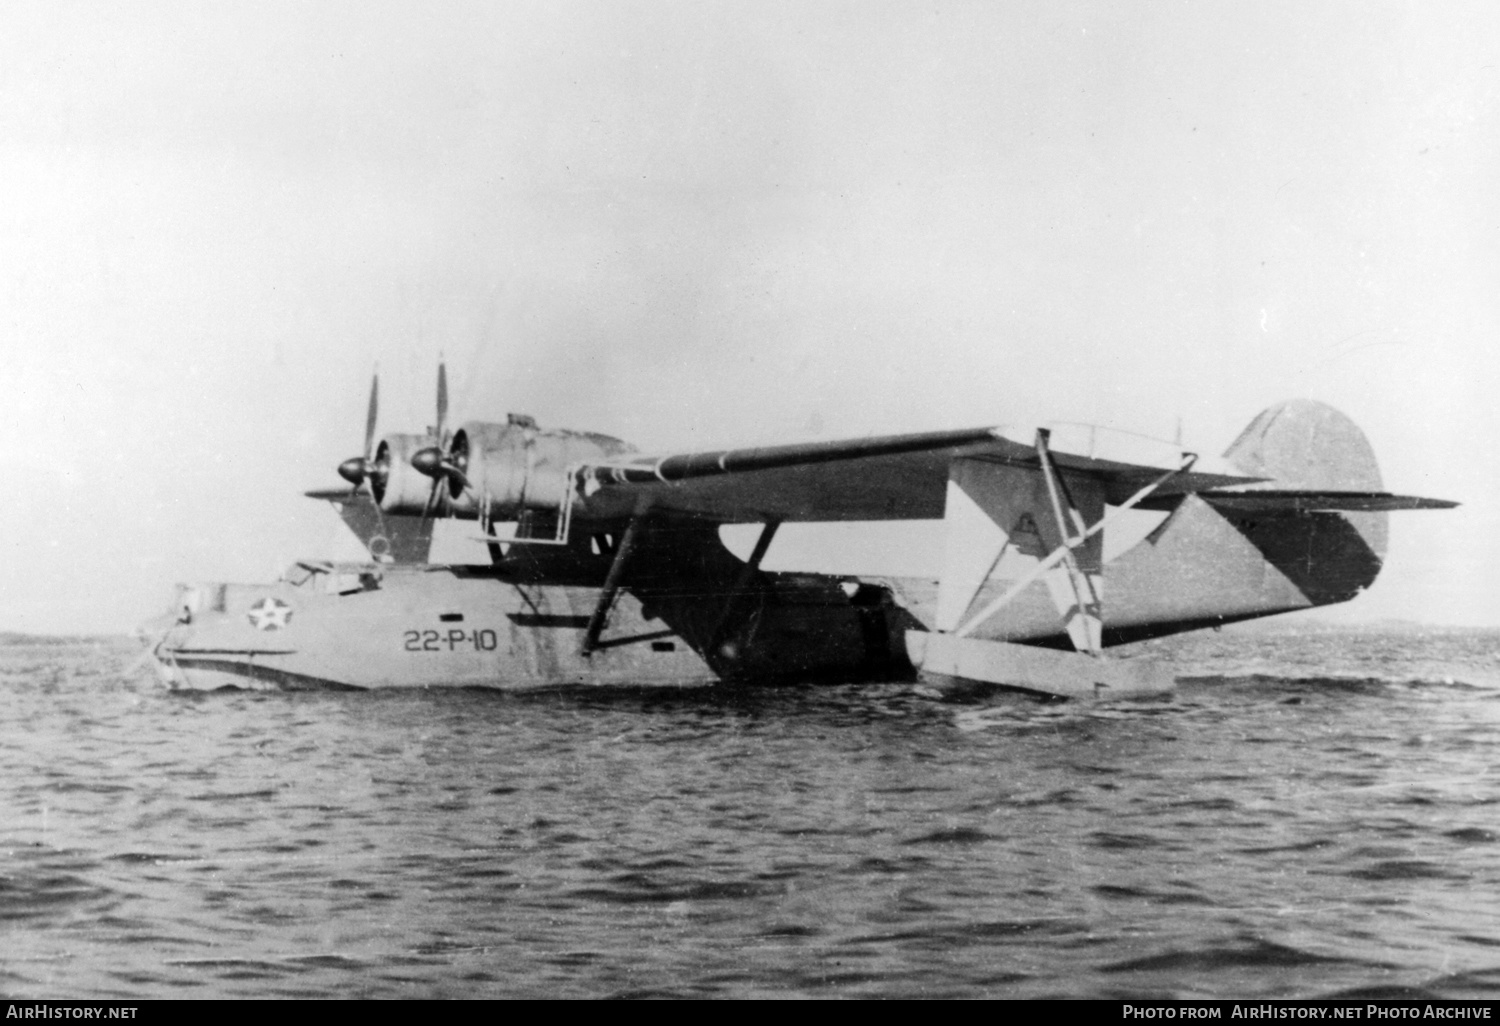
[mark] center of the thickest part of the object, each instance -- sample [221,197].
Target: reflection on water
[1311,814]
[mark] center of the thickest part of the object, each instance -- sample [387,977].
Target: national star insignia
[270,614]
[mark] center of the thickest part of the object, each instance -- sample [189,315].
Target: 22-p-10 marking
[484,640]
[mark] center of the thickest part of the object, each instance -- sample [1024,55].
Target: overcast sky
[690,224]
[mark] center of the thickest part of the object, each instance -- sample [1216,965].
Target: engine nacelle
[516,466]
[399,487]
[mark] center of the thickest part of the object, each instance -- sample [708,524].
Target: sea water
[1315,812]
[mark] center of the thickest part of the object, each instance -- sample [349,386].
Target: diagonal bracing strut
[1084,593]
[612,579]
[1057,555]
[742,583]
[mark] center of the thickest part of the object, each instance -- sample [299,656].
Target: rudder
[1302,444]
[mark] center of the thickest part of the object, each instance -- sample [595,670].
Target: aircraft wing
[892,477]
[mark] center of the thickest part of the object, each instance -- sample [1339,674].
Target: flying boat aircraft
[607,565]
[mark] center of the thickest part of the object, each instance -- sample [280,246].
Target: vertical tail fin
[1305,445]
[1272,547]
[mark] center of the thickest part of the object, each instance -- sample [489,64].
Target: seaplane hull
[373,626]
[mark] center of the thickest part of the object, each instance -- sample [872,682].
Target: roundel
[270,614]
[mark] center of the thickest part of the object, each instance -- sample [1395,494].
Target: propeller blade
[432,466]
[431,502]
[442,401]
[357,470]
[374,410]
[454,474]
[433,460]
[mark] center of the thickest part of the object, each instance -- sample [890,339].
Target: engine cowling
[516,466]
[399,487]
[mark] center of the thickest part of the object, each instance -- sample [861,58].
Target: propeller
[433,460]
[360,469]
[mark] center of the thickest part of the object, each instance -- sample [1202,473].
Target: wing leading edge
[893,477]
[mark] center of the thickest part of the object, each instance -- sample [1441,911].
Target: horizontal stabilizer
[1272,501]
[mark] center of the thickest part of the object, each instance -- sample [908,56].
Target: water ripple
[1307,816]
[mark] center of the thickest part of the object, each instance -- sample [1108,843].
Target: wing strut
[1085,593]
[612,579]
[742,583]
[1062,551]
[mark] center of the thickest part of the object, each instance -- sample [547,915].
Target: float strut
[612,582]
